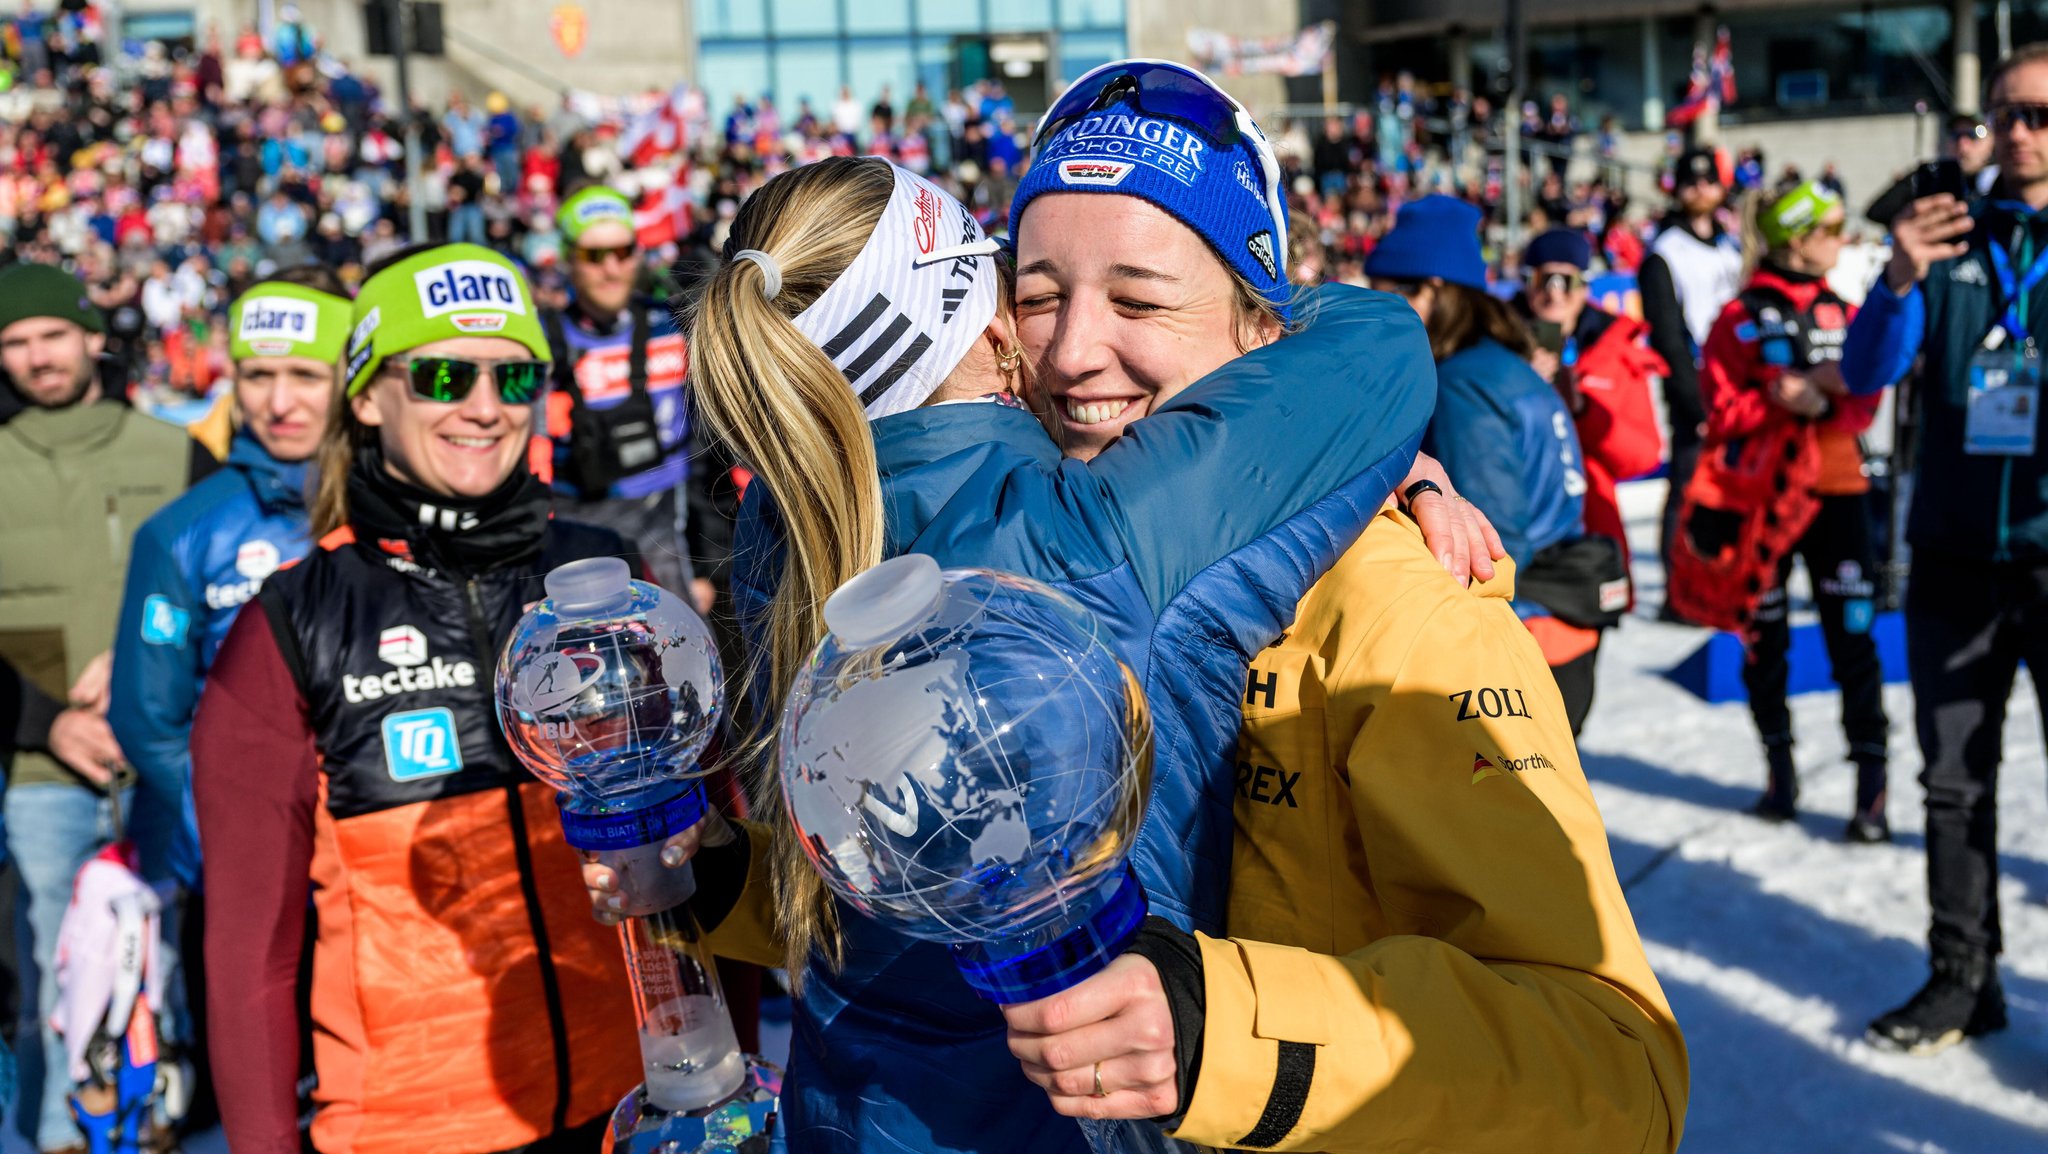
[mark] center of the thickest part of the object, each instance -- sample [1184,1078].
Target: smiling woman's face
[1119,308]
[463,449]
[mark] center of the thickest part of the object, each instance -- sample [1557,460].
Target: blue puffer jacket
[192,567]
[1504,436]
[1192,538]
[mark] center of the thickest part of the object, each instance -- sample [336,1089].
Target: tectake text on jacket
[463,998]
[191,569]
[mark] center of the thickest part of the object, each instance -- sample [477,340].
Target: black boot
[1868,824]
[1962,999]
[1781,796]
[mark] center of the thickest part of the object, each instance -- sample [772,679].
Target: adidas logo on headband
[906,311]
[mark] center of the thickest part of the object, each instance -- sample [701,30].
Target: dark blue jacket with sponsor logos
[1505,437]
[600,357]
[1975,507]
[191,569]
[1192,538]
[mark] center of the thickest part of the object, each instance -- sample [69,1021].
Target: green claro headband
[1796,213]
[275,319]
[445,293]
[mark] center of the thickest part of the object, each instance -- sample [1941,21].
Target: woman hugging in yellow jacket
[1429,947]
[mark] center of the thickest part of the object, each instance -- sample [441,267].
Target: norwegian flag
[658,132]
[1712,82]
[1721,70]
[663,215]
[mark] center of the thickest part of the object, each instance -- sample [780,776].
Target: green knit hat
[446,292]
[44,290]
[1796,213]
[275,319]
[590,206]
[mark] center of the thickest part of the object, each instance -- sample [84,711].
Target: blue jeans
[52,831]
[466,223]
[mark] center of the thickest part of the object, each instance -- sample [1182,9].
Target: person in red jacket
[1783,475]
[1601,364]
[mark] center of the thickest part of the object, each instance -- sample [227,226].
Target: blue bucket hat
[1166,134]
[1437,236]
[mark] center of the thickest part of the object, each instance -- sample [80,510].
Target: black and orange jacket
[346,751]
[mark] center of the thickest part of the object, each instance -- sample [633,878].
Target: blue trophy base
[1011,972]
[741,1124]
[628,842]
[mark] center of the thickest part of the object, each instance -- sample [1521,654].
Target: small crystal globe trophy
[967,760]
[608,691]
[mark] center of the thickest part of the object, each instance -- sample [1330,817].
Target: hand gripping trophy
[609,690]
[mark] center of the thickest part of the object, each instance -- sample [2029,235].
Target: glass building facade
[1792,62]
[800,49]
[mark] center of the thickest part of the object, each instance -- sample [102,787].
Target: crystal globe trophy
[609,690]
[966,759]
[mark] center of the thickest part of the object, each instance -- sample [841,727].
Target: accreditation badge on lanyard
[2005,373]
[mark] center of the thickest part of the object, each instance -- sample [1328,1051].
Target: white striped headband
[905,312]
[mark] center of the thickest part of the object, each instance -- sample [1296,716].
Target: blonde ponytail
[1754,247]
[790,417]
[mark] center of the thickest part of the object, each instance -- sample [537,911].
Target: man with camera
[1968,294]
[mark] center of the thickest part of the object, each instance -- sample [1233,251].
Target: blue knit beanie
[1219,192]
[1559,246]
[1437,236]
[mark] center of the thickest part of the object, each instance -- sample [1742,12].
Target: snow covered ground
[1776,944]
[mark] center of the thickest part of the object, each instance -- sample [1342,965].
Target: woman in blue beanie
[857,353]
[1499,428]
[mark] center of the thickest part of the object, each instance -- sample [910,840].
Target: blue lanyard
[2012,322]
[1570,357]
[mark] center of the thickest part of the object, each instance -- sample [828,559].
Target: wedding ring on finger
[1099,1091]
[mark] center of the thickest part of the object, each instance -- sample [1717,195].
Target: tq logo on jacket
[405,647]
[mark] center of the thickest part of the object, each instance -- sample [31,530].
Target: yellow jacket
[1430,950]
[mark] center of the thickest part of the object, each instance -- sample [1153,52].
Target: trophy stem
[687,1044]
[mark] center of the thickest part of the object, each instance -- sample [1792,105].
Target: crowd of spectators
[171,180]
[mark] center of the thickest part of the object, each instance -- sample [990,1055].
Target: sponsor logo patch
[1261,247]
[1483,768]
[360,344]
[1266,785]
[421,743]
[1117,135]
[402,645]
[479,322]
[1244,177]
[926,226]
[1474,704]
[257,559]
[164,623]
[279,318]
[405,647]
[604,373]
[467,284]
[1106,173]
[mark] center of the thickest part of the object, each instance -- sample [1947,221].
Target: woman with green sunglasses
[346,751]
